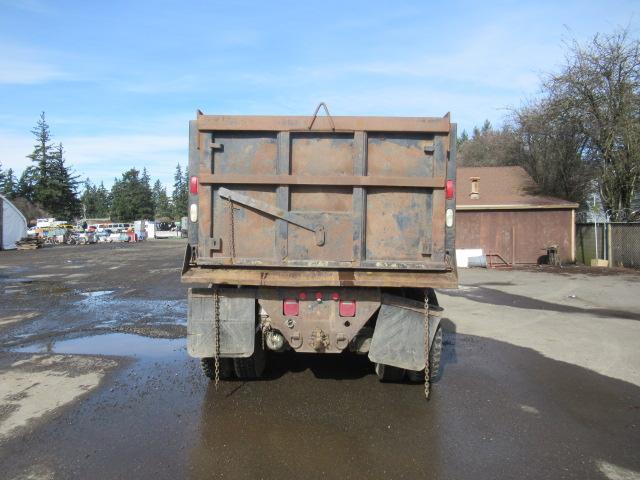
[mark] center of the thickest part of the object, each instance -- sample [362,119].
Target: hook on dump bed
[315,115]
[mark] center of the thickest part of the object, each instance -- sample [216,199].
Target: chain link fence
[617,242]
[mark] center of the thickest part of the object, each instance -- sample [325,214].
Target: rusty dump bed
[321,201]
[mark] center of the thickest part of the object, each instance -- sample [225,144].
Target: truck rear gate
[342,201]
[317,232]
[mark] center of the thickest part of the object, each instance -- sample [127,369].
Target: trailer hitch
[276,212]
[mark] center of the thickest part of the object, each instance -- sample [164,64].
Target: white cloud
[24,66]
[106,157]
[101,158]
[13,151]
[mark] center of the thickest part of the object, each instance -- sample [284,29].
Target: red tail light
[451,189]
[335,296]
[290,307]
[347,308]
[302,296]
[193,185]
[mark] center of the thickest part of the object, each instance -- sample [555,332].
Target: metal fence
[617,242]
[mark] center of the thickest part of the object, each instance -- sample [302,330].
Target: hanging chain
[232,233]
[216,307]
[427,386]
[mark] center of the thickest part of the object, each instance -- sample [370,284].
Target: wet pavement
[504,406]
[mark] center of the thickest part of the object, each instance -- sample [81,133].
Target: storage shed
[13,225]
[499,213]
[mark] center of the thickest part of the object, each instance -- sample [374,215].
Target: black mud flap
[398,339]
[237,322]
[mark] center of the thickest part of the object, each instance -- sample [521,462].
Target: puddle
[16,280]
[98,293]
[116,344]
[108,308]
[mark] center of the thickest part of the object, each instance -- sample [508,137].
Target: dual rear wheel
[387,373]
[248,368]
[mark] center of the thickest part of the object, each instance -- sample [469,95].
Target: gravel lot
[540,379]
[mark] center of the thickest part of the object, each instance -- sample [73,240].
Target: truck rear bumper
[288,277]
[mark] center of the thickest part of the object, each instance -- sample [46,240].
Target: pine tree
[103,202]
[131,197]
[9,185]
[64,185]
[49,182]
[161,203]
[180,195]
[42,156]
[2,178]
[27,184]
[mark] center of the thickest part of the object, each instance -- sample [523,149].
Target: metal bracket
[274,212]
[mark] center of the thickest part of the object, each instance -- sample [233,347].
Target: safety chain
[216,307]
[427,385]
[232,226]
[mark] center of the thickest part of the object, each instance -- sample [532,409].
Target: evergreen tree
[161,203]
[103,202]
[9,185]
[42,156]
[131,197]
[49,182]
[64,186]
[2,178]
[96,200]
[180,195]
[27,184]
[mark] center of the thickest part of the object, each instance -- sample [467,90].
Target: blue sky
[119,80]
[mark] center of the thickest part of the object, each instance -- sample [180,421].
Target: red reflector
[450,189]
[347,308]
[193,185]
[335,296]
[302,296]
[290,307]
[319,296]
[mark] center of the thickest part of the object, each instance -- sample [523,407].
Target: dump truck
[319,234]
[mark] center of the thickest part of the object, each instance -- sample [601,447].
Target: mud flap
[398,339]
[237,323]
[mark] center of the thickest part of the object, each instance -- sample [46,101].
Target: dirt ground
[540,379]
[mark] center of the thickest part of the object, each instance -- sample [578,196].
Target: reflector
[450,189]
[347,308]
[193,185]
[290,307]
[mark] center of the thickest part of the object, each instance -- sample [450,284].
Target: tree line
[49,187]
[133,197]
[581,134]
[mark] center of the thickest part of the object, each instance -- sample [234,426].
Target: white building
[13,225]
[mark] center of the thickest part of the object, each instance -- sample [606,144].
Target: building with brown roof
[499,212]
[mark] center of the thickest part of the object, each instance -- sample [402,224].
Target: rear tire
[251,367]
[435,353]
[387,373]
[226,368]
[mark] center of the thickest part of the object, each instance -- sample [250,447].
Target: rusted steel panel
[308,278]
[368,197]
[529,231]
[397,154]
[210,123]
[322,180]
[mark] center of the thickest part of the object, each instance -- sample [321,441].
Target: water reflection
[316,416]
